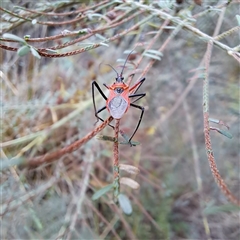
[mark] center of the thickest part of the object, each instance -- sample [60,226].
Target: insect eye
[118,90]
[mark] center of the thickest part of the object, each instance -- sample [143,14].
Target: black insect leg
[138,86]
[139,95]
[140,119]
[94,83]
[97,112]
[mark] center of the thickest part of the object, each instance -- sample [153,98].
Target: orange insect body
[118,100]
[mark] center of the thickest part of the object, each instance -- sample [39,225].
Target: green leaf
[152,56]
[125,204]
[155,52]
[14,38]
[213,120]
[102,191]
[51,51]
[23,50]
[129,51]
[126,138]
[226,134]
[217,209]
[35,52]
[238,19]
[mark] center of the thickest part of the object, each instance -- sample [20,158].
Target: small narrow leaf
[152,56]
[126,138]
[220,122]
[51,50]
[14,37]
[129,182]
[102,191]
[112,139]
[225,133]
[128,51]
[35,52]
[100,37]
[125,204]
[155,52]
[23,50]
[132,142]
[104,44]
[105,138]
[218,209]
[238,19]
[129,168]
[213,120]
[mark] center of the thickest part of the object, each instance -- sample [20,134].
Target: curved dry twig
[50,157]
[217,177]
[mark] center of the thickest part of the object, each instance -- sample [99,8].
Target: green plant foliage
[24,50]
[225,133]
[35,53]
[211,210]
[102,192]
[14,38]
[125,204]
[238,19]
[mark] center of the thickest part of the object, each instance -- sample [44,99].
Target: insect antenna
[113,69]
[125,63]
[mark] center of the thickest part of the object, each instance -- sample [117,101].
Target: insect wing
[117,106]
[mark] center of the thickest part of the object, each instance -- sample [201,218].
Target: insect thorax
[117,107]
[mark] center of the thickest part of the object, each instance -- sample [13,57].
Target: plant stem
[116,162]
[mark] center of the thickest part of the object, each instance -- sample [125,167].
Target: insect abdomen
[117,107]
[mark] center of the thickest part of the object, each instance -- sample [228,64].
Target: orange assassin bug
[118,101]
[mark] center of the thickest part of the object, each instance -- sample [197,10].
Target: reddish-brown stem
[57,23]
[69,43]
[116,161]
[113,38]
[66,13]
[91,33]
[50,157]
[217,177]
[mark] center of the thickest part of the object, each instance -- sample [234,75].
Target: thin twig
[116,162]
[183,23]
[217,177]
[50,157]
[209,149]
[92,46]
[81,10]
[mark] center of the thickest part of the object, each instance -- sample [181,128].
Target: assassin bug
[118,101]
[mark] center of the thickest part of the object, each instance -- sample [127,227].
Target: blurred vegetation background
[46,104]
